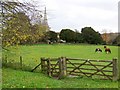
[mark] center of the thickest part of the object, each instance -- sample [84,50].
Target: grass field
[35,52]
[32,54]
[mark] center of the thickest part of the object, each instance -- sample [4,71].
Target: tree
[17,25]
[37,33]
[117,40]
[52,36]
[78,37]
[91,36]
[17,29]
[67,35]
[105,36]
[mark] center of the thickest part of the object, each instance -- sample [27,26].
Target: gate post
[43,64]
[48,67]
[62,67]
[21,62]
[115,69]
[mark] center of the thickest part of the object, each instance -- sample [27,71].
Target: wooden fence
[16,64]
[11,63]
[61,67]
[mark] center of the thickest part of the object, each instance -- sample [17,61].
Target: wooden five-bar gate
[62,67]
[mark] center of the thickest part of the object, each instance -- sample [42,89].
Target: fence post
[5,59]
[21,62]
[48,67]
[43,64]
[115,69]
[62,67]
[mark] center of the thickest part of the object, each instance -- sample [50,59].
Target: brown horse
[107,50]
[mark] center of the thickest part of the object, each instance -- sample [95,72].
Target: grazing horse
[107,50]
[98,50]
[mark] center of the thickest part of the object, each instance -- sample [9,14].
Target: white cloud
[101,14]
[76,14]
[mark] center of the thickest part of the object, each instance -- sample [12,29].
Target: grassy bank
[22,79]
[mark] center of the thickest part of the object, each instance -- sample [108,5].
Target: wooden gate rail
[90,64]
[91,69]
[88,60]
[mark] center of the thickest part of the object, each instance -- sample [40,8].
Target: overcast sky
[101,15]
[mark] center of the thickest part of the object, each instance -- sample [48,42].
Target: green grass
[21,79]
[32,54]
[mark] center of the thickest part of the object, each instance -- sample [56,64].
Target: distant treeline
[87,35]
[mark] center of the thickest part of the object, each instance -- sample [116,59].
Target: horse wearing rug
[98,50]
